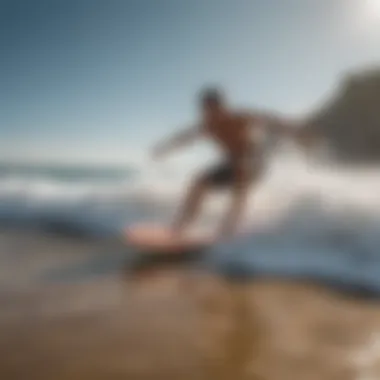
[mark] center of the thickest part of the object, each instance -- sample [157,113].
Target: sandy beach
[255,124]
[62,318]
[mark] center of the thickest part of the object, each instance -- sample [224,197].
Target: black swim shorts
[224,174]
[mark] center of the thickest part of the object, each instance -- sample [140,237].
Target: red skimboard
[157,239]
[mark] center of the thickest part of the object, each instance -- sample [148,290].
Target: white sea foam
[287,183]
[305,219]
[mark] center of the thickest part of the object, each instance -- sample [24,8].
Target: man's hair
[211,95]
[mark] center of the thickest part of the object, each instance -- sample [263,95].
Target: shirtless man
[242,166]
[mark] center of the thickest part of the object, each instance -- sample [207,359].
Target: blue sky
[100,80]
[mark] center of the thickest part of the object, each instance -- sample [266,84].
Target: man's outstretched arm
[177,141]
[295,130]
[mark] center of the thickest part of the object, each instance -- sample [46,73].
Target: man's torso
[235,135]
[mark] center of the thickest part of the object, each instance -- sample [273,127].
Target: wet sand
[61,317]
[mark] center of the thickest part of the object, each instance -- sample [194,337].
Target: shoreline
[169,323]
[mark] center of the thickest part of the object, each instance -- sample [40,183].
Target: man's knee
[201,183]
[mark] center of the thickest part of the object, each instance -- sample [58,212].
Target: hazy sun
[373,7]
[367,16]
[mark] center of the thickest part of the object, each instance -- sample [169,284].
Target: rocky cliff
[350,120]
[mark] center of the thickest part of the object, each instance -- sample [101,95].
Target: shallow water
[72,309]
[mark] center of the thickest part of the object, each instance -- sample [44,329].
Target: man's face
[212,110]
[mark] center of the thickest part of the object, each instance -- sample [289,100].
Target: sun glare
[366,18]
[373,7]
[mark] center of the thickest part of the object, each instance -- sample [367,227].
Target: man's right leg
[193,201]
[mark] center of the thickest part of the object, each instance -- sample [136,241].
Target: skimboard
[156,239]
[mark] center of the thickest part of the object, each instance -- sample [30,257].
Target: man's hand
[179,140]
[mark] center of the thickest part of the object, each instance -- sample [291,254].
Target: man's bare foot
[177,231]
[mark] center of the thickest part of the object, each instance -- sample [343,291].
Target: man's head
[212,101]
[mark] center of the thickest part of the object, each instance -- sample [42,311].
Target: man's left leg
[242,182]
[193,201]
[213,178]
[234,214]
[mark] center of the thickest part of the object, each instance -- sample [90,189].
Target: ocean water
[305,220]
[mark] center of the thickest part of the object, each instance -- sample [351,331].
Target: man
[242,165]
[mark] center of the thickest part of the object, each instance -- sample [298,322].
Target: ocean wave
[303,221]
[154,195]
